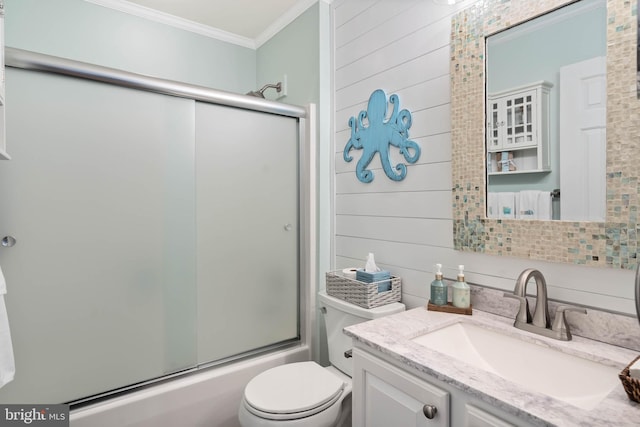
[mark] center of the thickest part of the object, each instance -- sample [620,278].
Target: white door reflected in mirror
[583,132]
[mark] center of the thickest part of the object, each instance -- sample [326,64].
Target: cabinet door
[519,129]
[476,417]
[494,124]
[384,396]
[511,121]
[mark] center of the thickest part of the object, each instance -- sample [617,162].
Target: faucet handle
[524,315]
[560,324]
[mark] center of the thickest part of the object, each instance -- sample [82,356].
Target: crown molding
[174,21]
[184,24]
[288,17]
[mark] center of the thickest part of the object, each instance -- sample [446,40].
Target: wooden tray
[449,308]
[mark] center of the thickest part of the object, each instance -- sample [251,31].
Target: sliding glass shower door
[247,222]
[100,198]
[154,234]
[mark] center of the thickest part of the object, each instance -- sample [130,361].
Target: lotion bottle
[438,288]
[461,291]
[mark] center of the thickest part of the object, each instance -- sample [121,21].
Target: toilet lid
[293,388]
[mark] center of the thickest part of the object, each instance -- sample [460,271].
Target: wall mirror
[607,238]
[546,116]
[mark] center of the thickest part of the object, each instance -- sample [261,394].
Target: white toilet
[305,394]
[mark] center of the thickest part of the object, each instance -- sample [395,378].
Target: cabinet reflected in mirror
[546,116]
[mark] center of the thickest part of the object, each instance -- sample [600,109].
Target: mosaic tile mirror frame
[612,243]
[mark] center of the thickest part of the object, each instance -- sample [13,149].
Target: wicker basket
[631,385]
[360,293]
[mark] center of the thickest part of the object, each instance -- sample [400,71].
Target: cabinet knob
[430,411]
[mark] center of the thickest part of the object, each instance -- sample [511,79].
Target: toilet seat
[292,391]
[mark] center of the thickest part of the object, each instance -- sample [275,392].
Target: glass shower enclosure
[156,233]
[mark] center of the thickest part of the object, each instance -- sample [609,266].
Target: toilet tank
[339,314]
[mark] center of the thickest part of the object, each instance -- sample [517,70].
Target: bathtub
[209,398]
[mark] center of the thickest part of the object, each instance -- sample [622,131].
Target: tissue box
[378,276]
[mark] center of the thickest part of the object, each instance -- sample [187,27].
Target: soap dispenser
[461,291]
[438,288]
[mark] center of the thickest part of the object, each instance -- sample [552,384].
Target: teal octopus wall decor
[377,135]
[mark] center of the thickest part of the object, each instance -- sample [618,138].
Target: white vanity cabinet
[518,129]
[387,394]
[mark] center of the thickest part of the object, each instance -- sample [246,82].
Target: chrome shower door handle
[8,241]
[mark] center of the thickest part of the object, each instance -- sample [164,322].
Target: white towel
[506,205]
[528,204]
[545,206]
[7,363]
[492,205]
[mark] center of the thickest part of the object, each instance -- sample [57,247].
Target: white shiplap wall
[402,47]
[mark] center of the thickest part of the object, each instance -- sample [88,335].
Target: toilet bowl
[302,394]
[305,394]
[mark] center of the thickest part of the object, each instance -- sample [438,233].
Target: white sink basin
[572,379]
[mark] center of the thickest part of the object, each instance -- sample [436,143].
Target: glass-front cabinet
[518,129]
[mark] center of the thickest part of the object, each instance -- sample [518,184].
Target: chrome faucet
[540,323]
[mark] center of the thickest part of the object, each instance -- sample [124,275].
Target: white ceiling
[246,18]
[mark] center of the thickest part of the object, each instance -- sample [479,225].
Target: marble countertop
[392,336]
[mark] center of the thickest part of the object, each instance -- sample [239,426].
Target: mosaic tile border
[609,244]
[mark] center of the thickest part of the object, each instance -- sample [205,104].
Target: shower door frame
[306,132]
